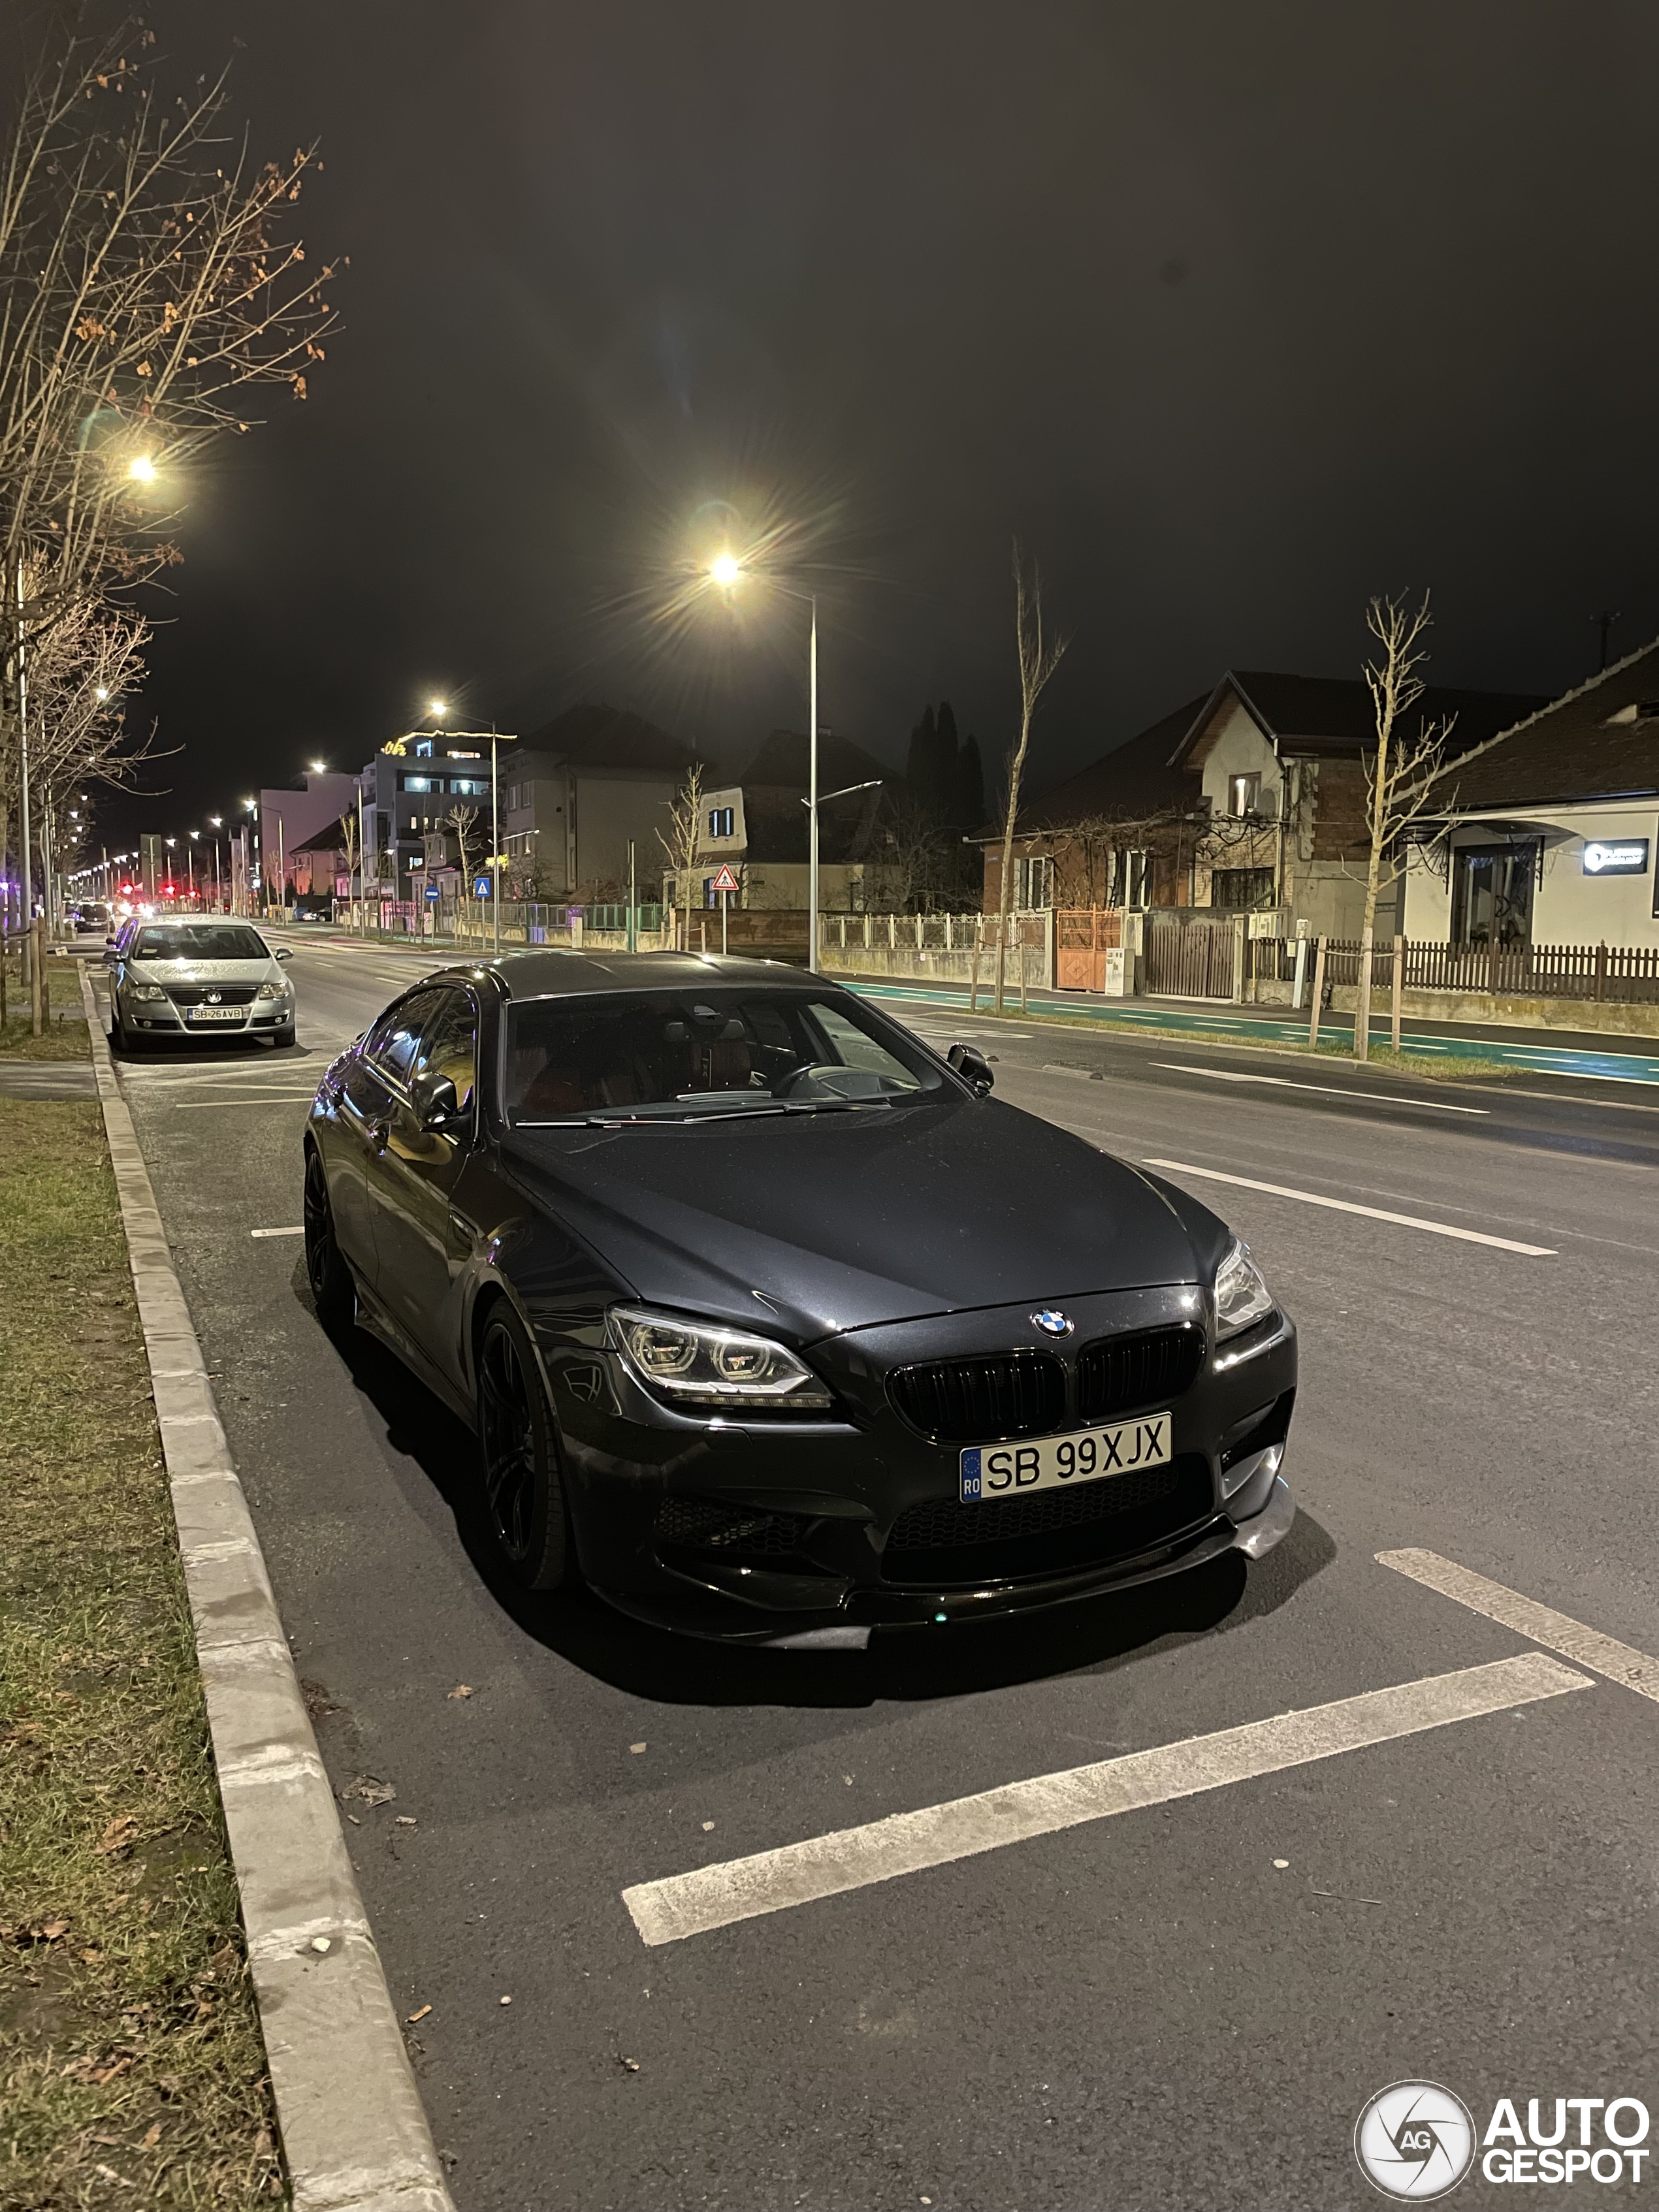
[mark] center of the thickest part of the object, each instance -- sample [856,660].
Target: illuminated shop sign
[1629,857]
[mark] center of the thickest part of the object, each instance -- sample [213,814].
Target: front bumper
[160,1017]
[782,1532]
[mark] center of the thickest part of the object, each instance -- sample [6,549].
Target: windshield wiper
[620,1119]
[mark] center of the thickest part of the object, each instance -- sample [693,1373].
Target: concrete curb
[354,2133]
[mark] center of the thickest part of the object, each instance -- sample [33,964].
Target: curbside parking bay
[355,2136]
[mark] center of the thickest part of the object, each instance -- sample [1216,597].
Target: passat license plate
[1049,1462]
[218,1013]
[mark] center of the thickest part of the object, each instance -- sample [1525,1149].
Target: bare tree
[148,271]
[1402,774]
[1039,657]
[683,841]
[463,820]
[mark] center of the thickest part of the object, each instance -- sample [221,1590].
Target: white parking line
[1370,1213]
[1330,1090]
[852,1859]
[265,1098]
[277,1232]
[1557,1632]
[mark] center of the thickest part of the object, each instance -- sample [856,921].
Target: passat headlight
[276,990]
[146,991]
[1241,1296]
[702,1364]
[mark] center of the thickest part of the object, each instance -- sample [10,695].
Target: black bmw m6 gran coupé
[772,1324]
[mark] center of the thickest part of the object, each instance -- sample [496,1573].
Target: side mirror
[433,1097]
[285,952]
[109,942]
[972,1068]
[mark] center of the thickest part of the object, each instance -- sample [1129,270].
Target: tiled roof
[1573,749]
[1132,780]
[1336,710]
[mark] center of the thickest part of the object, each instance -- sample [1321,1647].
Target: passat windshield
[199,941]
[679,1055]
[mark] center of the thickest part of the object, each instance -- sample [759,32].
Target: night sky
[1236,314]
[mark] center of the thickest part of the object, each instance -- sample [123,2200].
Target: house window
[721,820]
[416,782]
[1033,884]
[468,786]
[1241,891]
[1243,794]
[1131,880]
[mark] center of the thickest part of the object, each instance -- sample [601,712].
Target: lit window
[721,820]
[1243,793]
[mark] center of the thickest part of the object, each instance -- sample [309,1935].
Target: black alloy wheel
[333,1291]
[524,1494]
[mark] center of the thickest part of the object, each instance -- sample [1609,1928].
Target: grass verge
[63,1035]
[131,2067]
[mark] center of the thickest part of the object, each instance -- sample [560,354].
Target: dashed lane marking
[907,1843]
[1540,1624]
[1329,1090]
[1349,1205]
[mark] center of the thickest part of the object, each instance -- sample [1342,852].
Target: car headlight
[1241,1296]
[702,1364]
[276,990]
[145,991]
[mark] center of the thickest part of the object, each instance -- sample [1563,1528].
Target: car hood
[201,971]
[835,1221]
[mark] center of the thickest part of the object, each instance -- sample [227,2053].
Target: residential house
[1251,796]
[577,793]
[1550,838]
[289,818]
[755,823]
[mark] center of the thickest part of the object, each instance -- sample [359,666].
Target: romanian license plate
[218,1013]
[1050,1463]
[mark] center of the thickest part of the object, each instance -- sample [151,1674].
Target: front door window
[1491,891]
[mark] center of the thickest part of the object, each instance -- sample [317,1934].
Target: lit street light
[142,469]
[727,571]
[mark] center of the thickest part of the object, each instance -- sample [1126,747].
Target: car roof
[555,975]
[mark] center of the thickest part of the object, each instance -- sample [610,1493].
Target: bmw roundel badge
[1053,1322]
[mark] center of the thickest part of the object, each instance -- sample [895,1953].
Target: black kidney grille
[939,1541]
[709,1524]
[1118,1374]
[1013,1394]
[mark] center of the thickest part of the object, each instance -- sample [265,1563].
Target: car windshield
[676,1055]
[199,941]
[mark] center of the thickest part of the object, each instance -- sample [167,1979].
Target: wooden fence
[1614,974]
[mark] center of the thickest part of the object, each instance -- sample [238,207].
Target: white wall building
[1551,837]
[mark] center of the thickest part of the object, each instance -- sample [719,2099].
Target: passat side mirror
[972,1068]
[285,952]
[433,1099]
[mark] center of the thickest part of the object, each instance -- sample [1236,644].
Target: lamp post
[728,571]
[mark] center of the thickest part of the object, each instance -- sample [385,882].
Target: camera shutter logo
[1414,2141]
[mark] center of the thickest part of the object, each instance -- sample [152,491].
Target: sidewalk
[1609,1059]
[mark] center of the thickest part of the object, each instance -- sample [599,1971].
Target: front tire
[333,1291]
[285,1039]
[524,1492]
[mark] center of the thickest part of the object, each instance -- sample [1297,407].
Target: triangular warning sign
[725,881]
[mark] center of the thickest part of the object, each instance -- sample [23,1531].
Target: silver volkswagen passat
[206,978]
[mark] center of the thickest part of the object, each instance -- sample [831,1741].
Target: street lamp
[727,571]
[142,469]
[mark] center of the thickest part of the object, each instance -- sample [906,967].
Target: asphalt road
[1185,2004]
